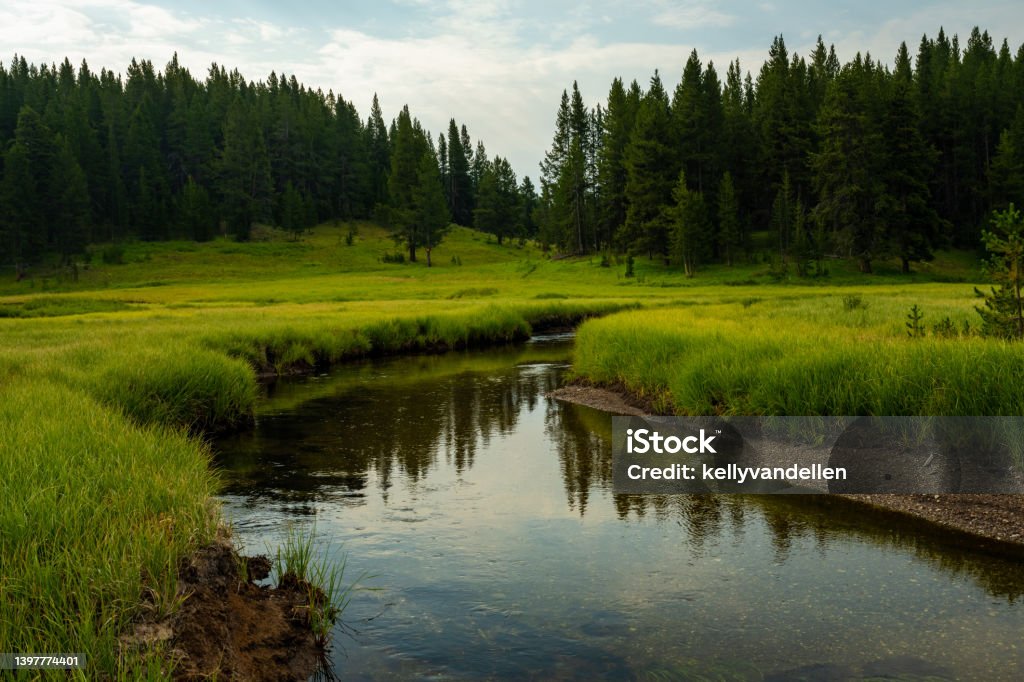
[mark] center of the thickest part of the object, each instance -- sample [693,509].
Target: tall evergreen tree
[498,209]
[619,118]
[906,202]
[848,172]
[378,154]
[68,193]
[244,172]
[430,210]
[783,216]
[730,234]
[690,227]
[1006,175]
[554,217]
[195,212]
[649,160]
[528,201]
[460,184]
[409,147]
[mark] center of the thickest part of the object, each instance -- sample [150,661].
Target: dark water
[484,511]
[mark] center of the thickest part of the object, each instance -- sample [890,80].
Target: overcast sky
[499,66]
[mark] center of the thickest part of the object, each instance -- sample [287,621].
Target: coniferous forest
[860,160]
[863,160]
[161,155]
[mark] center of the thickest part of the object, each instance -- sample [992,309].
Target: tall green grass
[800,357]
[95,512]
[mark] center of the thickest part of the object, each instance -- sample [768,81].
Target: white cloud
[691,14]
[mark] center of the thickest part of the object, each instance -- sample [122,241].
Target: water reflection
[486,510]
[396,417]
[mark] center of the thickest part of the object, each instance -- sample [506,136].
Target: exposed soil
[997,519]
[229,628]
[614,400]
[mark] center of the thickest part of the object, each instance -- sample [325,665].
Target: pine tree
[528,201]
[690,226]
[576,178]
[195,212]
[30,158]
[804,248]
[697,121]
[906,203]
[498,209]
[848,172]
[292,210]
[23,225]
[378,154]
[730,235]
[352,171]
[783,216]
[409,147]
[783,118]
[648,161]
[1003,313]
[554,218]
[739,144]
[460,184]
[1006,175]
[430,210]
[478,165]
[618,122]
[244,172]
[68,193]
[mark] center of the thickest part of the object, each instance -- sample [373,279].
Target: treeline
[858,160]
[156,155]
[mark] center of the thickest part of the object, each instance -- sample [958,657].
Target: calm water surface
[484,512]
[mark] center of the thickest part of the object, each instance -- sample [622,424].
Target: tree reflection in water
[403,419]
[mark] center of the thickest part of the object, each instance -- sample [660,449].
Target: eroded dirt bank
[996,520]
[230,628]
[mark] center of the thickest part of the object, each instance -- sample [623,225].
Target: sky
[497,66]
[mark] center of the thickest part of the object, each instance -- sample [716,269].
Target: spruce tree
[649,161]
[195,212]
[1006,175]
[617,125]
[378,154]
[690,226]
[244,172]
[906,202]
[730,234]
[430,210]
[1003,312]
[498,210]
[292,210]
[409,146]
[848,172]
[68,194]
[460,184]
[528,204]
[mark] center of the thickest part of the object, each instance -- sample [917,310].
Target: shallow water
[484,512]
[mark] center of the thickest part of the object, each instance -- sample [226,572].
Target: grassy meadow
[108,379]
